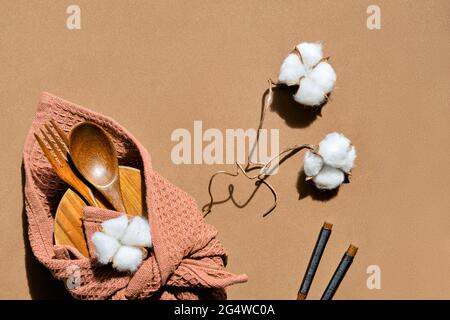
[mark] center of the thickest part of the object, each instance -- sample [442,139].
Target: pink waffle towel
[186,262]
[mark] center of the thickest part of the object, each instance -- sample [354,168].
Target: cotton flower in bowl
[306,67]
[122,241]
[333,159]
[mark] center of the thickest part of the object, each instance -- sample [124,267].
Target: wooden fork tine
[47,153]
[58,154]
[58,142]
[60,132]
[60,164]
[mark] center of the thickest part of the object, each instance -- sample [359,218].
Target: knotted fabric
[186,261]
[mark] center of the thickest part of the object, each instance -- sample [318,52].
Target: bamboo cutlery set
[87,161]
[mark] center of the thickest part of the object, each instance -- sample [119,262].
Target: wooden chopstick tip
[351,251]
[327,225]
[301,296]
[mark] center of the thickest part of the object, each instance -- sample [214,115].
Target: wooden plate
[68,229]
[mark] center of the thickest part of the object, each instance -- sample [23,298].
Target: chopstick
[340,272]
[314,261]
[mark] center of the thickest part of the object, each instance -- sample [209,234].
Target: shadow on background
[307,189]
[41,284]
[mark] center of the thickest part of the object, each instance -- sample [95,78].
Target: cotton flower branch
[122,241]
[326,164]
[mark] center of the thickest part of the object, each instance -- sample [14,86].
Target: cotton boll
[128,258]
[312,163]
[309,93]
[105,247]
[115,227]
[291,70]
[315,78]
[329,178]
[336,151]
[347,166]
[137,233]
[324,76]
[311,53]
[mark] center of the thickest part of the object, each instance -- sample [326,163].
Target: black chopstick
[340,272]
[319,248]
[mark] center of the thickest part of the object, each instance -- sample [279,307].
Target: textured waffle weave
[187,261]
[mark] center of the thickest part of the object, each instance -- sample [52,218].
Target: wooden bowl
[68,229]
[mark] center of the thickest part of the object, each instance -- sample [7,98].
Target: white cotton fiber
[324,76]
[347,166]
[115,227]
[137,233]
[311,53]
[335,158]
[316,78]
[312,163]
[122,241]
[336,151]
[105,246]
[291,70]
[329,178]
[309,93]
[128,258]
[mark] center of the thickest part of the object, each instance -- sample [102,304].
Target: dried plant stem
[207,208]
[280,158]
[266,105]
[265,169]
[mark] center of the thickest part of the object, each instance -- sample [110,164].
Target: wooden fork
[60,162]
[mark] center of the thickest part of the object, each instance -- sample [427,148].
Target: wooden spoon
[93,154]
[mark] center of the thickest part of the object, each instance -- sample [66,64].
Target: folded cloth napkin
[186,261]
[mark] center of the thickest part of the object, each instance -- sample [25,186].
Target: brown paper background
[157,66]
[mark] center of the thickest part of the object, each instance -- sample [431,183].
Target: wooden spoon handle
[113,195]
